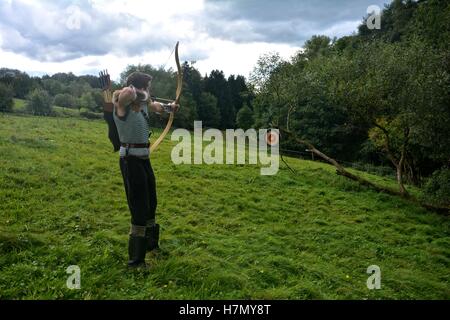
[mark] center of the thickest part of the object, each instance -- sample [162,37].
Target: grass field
[20,107]
[227,232]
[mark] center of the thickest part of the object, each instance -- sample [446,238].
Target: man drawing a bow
[127,114]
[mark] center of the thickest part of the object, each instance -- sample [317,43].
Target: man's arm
[156,107]
[105,83]
[122,99]
[160,108]
[113,135]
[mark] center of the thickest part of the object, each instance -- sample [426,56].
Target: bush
[39,102]
[87,101]
[6,98]
[64,100]
[437,188]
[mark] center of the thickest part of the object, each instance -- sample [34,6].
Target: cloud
[65,30]
[288,21]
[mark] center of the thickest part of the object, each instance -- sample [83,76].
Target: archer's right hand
[124,97]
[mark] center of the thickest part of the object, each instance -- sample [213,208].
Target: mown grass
[227,231]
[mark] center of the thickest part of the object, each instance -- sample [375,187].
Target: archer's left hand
[175,107]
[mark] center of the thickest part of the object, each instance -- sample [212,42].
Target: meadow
[227,232]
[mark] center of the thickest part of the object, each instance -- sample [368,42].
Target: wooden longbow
[156,144]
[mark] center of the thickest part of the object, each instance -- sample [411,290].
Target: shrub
[87,101]
[64,100]
[437,188]
[39,102]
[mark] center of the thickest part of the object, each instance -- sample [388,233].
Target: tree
[401,91]
[91,80]
[64,100]
[430,23]
[208,111]
[6,98]
[53,87]
[87,101]
[244,118]
[317,46]
[163,84]
[39,102]
[239,91]
[187,114]
[64,78]
[396,22]
[295,96]
[272,79]
[265,67]
[77,88]
[98,98]
[20,82]
[193,81]
[217,85]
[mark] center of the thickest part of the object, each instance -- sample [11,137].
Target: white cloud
[342,28]
[239,58]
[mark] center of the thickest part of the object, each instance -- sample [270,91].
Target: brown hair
[139,80]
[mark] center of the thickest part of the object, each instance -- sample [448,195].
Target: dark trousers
[140,188]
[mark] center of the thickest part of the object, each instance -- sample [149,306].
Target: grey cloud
[46,33]
[288,21]
[195,53]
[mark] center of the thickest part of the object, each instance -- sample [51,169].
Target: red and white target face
[272,138]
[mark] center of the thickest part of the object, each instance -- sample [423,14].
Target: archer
[126,112]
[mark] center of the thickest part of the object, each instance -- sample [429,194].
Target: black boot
[136,250]
[152,237]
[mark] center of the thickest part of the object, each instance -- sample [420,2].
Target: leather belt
[135,145]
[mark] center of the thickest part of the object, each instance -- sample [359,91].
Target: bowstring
[167,61]
[164,68]
[170,56]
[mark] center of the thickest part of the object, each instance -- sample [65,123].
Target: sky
[86,36]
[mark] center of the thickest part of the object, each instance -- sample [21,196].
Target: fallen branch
[340,170]
[290,169]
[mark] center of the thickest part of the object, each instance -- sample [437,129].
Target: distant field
[20,107]
[227,232]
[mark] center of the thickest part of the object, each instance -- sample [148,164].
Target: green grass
[227,232]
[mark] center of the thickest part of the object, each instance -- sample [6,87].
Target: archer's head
[142,83]
[139,80]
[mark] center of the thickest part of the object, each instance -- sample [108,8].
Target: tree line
[215,99]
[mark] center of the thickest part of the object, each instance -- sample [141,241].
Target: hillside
[227,232]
